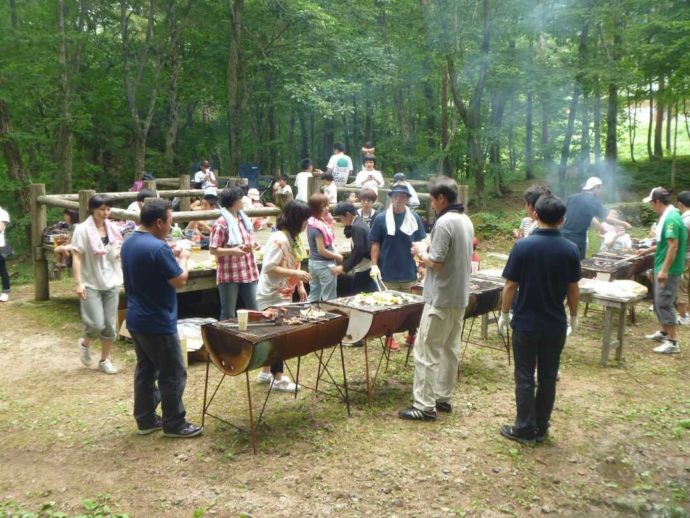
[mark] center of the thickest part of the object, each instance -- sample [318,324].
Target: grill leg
[366,369]
[203,408]
[347,395]
[251,412]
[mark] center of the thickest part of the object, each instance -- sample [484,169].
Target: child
[475,256]
[330,189]
[367,198]
[282,192]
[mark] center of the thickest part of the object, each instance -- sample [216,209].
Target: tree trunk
[403,119]
[233,80]
[304,134]
[565,150]
[368,125]
[498,104]
[612,126]
[584,144]
[669,118]
[675,149]
[13,157]
[659,122]
[529,137]
[632,124]
[173,104]
[650,153]
[597,121]
[63,145]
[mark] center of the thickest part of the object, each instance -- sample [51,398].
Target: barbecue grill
[367,321]
[267,340]
[616,266]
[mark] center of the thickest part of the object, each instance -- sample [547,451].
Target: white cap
[211,191]
[254,194]
[591,183]
[651,194]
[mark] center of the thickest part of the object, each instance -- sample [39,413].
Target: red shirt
[232,268]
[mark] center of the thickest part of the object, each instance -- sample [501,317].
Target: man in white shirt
[340,165]
[4,221]
[205,177]
[302,179]
[369,178]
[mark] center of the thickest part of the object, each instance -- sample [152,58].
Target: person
[529,223]
[359,260]
[546,268]
[330,189]
[584,209]
[367,198]
[97,273]
[683,289]
[139,183]
[63,252]
[204,177]
[368,149]
[369,177]
[232,243]
[152,273]
[253,201]
[476,262]
[202,228]
[281,275]
[614,238]
[446,294]
[339,165]
[4,275]
[669,265]
[392,234]
[302,179]
[399,178]
[322,253]
[138,203]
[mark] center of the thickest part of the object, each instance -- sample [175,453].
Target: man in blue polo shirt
[583,208]
[151,274]
[546,268]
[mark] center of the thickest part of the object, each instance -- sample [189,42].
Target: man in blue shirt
[392,234]
[582,209]
[546,268]
[151,275]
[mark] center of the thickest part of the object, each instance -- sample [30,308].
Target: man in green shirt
[669,263]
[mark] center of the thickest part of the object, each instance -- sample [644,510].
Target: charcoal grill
[616,266]
[270,340]
[368,322]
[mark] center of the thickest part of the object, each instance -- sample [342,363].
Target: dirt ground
[69,444]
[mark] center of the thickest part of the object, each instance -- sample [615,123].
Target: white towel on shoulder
[409,225]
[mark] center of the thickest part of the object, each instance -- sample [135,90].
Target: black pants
[159,359]
[543,351]
[4,275]
[363,283]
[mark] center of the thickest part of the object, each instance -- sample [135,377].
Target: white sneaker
[106,367]
[284,385]
[658,336]
[264,378]
[684,321]
[85,354]
[667,347]
[4,297]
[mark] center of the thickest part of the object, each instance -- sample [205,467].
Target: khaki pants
[404,286]
[683,295]
[437,355]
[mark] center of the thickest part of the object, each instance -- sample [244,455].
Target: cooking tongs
[379,284]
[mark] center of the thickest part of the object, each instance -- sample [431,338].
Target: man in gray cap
[582,209]
[399,178]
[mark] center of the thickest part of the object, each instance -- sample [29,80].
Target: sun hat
[591,183]
[657,193]
[253,194]
[401,189]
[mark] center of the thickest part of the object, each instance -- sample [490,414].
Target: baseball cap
[253,194]
[657,193]
[399,177]
[591,183]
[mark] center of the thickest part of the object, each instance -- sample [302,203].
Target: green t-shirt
[673,229]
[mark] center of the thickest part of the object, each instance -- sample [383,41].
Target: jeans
[99,313]
[4,275]
[159,358]
[322,285]
[543,351]
[229,291]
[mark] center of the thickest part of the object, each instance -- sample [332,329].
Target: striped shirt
[231,268]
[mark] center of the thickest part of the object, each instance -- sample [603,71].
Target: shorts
[683,294]
[665,298]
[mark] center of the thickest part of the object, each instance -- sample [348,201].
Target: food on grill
[312,312]
[382,298]
[293,321]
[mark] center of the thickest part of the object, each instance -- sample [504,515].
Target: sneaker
[85,354]
[684,321]
[4,297]
[444,406]
[542,435]
[284,385]
[658,336]
[508,432]
[415,414]
[106,367]
[667,347]
[188,430]
[157,425]
[264,378]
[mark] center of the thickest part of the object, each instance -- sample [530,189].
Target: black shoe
[414,414]
[542,435]
[186,431]
[508,432]
[157,425]
[444,406]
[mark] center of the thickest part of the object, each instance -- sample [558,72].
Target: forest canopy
[93,93]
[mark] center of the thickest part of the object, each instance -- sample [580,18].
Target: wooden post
[464,195]
[84,203]
[185,183]
[150,185]
[313,186]
[38,223]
